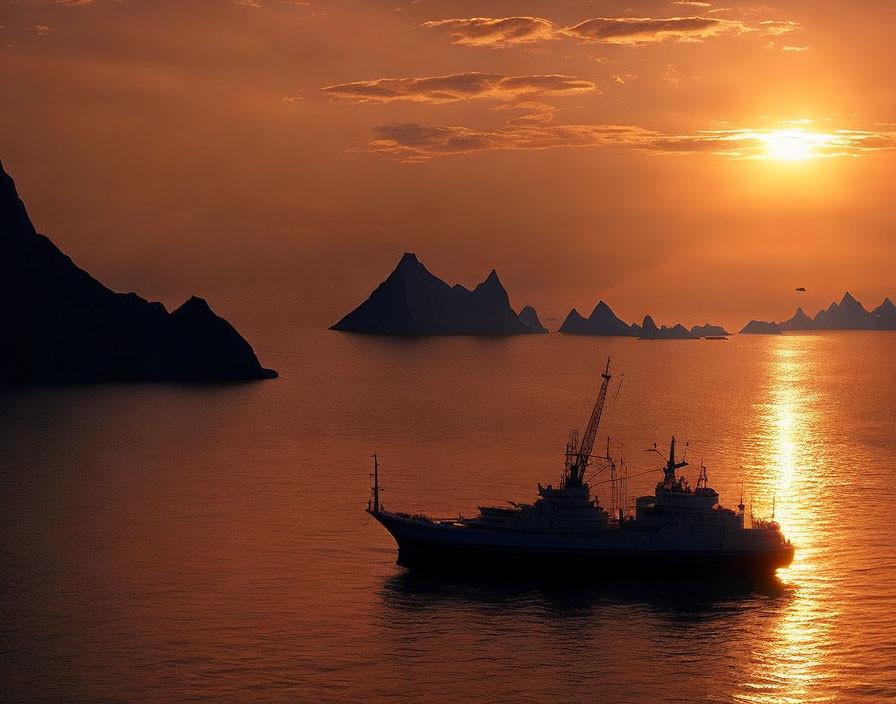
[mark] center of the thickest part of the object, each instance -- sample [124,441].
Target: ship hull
[612,551]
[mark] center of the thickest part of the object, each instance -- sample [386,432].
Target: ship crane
[579,463]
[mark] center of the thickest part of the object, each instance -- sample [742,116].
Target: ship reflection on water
[420,589]
[626,640]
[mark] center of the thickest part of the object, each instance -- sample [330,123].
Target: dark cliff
[60,325]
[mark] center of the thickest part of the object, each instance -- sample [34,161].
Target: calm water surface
[165,543]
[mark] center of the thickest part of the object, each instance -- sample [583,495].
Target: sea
[168,543]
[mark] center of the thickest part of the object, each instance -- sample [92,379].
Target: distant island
[63,326]
[529,316]
[849,314]
[603,321]
[761,327]
[709,331]
[412,301]
[649,331]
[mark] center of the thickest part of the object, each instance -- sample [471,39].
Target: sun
[793,145]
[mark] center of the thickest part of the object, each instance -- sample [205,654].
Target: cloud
[40,30]
[532,112]
[641,30]
[512,31]
[459,86]
[692,3]
[492,32]
[776,28]
[412,142]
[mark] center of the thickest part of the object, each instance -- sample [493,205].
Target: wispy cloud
[40,30]
[531,112]
[494,32]
[512,31]
[460,86]
[641,30]
[777,27]
[415,143]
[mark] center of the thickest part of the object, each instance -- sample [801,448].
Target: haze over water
[167,543]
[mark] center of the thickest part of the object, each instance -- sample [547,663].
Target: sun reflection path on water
[788,662]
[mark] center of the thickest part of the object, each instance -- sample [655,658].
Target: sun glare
[794,145]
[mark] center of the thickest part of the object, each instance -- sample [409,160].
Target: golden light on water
[790,664]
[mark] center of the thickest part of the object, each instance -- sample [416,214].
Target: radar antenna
[671,464]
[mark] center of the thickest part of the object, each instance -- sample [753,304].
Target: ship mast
[583,457]
[375,491]
[671,466]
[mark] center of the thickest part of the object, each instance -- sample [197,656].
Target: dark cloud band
[459,86]
[511,31]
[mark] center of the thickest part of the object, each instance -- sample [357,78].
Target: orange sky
[693,160]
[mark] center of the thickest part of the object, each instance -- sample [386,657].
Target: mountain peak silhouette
[492,284]
[708,330]
[799,321]
[601,309]
[529,316]
[197,304]
[409,264]
[884,316]
[761,327]
[413,301]
[64,326]
[649,331]
[849,314]
[602,321]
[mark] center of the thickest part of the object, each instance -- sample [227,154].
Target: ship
[678,530]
